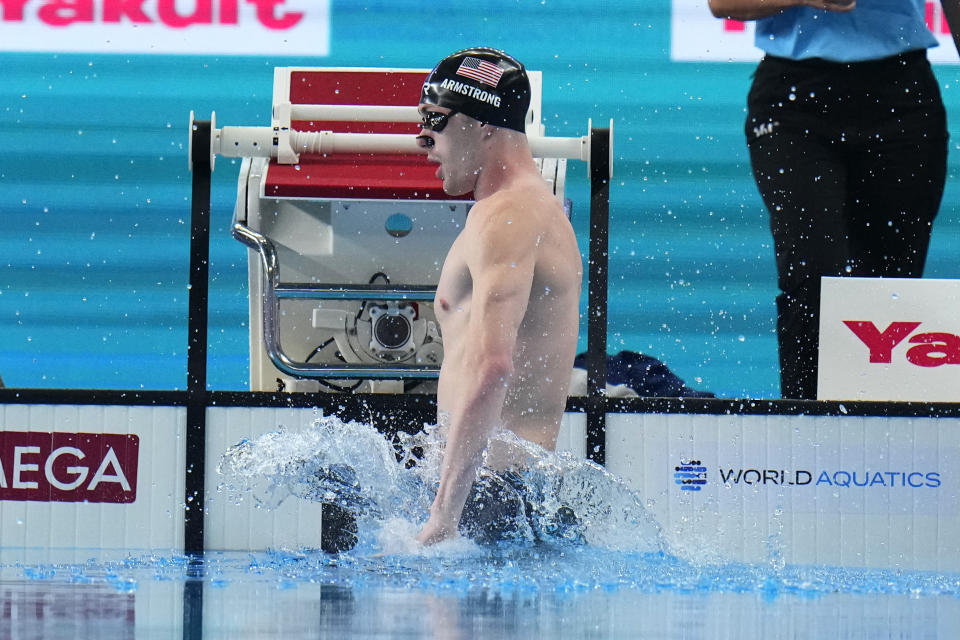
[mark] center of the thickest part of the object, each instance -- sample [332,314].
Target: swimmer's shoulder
[526,203]
[503,212]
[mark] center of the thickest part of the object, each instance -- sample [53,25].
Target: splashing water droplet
[354,466]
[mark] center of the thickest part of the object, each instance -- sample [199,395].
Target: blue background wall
[94,191]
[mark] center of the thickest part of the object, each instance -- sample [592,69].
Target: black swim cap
[485,84]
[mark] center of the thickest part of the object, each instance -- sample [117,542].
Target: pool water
[551,592]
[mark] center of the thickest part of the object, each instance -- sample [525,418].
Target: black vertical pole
[197,338]
[597,294]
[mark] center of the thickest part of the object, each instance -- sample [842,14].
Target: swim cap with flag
[486,84]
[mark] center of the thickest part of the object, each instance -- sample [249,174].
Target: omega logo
[68,467]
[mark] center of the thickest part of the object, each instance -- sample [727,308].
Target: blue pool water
[508,593]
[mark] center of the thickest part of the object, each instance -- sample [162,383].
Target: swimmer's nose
[425,141]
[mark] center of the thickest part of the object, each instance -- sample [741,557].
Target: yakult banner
[889,339]
[696,35]
[202,27]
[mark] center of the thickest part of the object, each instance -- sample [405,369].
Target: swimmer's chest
[456,283]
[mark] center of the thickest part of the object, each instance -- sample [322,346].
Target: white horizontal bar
[320,142]
[239,142]
[353,113]
[576,148]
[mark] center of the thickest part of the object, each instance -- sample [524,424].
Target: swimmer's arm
[755,9]
[501,264]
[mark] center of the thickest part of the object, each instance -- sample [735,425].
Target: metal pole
[597,294]
[197,339]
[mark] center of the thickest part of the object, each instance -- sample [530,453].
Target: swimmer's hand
[436,530]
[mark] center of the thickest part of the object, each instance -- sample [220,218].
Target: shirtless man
[508,295]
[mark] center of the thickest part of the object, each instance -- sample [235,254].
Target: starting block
[348,227]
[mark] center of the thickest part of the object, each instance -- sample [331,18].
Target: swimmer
[507,299]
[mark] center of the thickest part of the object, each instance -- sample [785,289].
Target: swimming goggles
[434,121]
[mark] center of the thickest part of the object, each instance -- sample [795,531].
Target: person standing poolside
[848,142]
[508,295]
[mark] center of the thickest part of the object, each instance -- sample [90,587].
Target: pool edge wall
[841,490]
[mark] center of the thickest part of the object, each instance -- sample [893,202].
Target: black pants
[850,160]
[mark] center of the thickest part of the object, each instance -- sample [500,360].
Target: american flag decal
[486,72]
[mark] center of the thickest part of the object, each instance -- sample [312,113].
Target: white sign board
[824,490]
[92,477]
[889,339]
[695,35]
[202,27]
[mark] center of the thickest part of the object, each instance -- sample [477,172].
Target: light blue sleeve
[874,29]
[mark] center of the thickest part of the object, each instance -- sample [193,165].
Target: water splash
[345,463]
[388,483]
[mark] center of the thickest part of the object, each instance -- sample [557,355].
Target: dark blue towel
[647,376]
